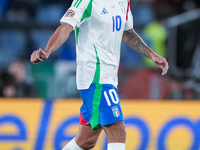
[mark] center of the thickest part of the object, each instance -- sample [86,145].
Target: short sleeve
[74,14]
[129,18]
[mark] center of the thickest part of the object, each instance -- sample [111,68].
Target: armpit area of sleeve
[72,22]
[128,27]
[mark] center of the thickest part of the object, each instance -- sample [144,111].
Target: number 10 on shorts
[113,95]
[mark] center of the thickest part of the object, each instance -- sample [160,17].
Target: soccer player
[100,25]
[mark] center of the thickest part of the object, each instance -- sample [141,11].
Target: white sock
[116,146]
[72,146]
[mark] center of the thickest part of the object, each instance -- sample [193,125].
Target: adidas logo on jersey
[104,11]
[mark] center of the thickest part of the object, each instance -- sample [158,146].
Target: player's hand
[38,56]
[161,63]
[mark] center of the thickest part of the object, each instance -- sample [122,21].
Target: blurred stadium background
[33,96]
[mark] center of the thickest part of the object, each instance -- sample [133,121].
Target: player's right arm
[57,39]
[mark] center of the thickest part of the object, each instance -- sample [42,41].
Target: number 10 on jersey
[117,23]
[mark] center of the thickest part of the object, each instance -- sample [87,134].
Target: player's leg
[85,139]
[116,134]
[112,118]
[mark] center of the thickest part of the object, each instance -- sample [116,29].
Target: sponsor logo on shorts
[70,13]
[115,111]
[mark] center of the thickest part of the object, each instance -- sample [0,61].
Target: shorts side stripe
[94,120]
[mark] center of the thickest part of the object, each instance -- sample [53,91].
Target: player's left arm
[134,41]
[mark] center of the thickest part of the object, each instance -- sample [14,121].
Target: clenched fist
[38,56]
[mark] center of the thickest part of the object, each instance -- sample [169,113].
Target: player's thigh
[115,132]
[86,136]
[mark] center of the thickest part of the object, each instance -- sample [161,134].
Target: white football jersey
[99,26]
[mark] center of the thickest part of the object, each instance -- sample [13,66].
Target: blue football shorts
[101,106]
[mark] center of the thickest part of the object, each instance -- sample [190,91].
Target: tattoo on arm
[134,41]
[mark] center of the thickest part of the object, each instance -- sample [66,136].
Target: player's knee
[116,132]
[88,143]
